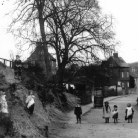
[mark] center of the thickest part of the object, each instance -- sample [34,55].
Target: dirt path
[93,125]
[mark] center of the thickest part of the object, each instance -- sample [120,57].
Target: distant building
[133,79]
[132,69]
[38,57]
[119,72]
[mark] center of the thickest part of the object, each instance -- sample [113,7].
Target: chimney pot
[115,55]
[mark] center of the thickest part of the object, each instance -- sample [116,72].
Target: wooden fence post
[4,62]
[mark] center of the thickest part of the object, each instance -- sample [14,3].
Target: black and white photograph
[69,69]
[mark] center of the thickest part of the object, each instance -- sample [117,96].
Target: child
[106,112]
[78,112]
[129,113]
[115,114]
[137,100]
[17,67]
[3,102]
[30,102]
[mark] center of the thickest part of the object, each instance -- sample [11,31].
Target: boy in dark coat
[17,67]
[78,113]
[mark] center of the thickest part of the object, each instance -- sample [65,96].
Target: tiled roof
[37,54]
[120,62]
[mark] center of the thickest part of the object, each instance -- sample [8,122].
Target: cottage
[119,72]
[38,57]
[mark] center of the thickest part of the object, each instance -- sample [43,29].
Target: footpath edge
[87,108]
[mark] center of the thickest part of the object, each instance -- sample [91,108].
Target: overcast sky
[125,13]
[125,26]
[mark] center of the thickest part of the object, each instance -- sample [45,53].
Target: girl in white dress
[3,103]
[30,102]
[129,113]
[106,112]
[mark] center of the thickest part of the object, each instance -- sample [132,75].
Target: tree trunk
[60,76]
[46,54]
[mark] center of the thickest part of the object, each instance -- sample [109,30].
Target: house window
[127,74]
[127,84]
[123,85]
[133,69]
[122,74]
[119,83]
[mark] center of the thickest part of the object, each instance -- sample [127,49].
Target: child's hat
[128,104]
[115,106]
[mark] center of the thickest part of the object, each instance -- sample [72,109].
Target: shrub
[6,124]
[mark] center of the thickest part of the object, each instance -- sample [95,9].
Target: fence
[6,62]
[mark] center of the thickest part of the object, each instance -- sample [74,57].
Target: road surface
[93,125]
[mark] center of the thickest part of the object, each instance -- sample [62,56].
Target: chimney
[115,55]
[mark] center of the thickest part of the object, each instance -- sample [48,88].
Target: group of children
[107,112]
[30,102]
[78,111]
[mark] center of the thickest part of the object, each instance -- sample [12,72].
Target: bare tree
[11,55]
[76,29]
[28,25]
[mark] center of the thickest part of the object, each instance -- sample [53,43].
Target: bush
[33,77]
[6,124]
[110,92]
